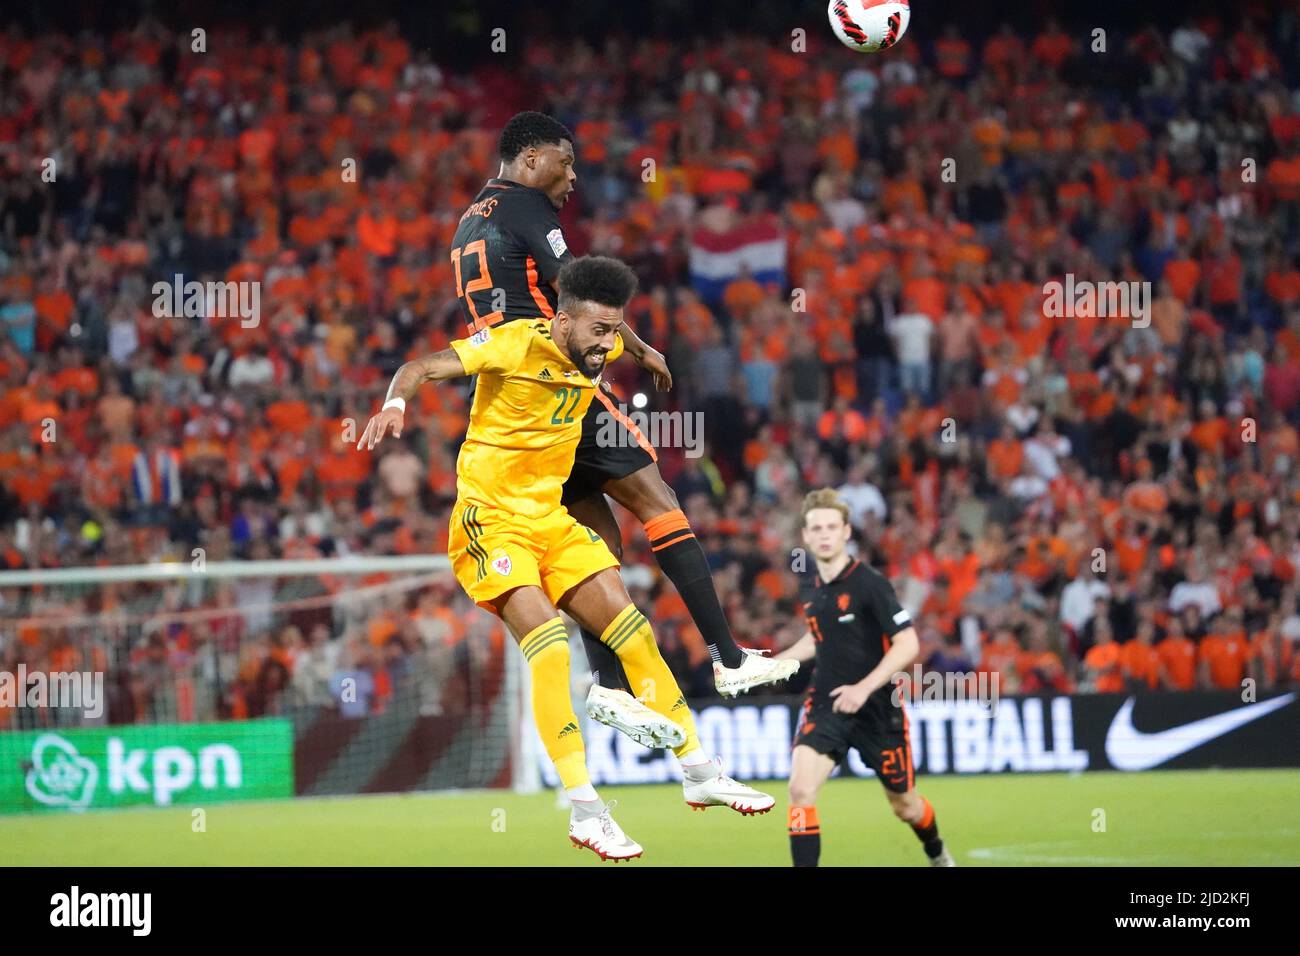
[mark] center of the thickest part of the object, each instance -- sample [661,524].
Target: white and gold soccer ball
[869,26]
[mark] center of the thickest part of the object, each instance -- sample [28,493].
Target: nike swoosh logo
[1128,748]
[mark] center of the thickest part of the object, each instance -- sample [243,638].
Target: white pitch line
[1013,851]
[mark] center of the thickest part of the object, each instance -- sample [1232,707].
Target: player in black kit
[861,636]
[506,257]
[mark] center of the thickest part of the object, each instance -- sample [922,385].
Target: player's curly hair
[600,279]
[530,128]
[824,498]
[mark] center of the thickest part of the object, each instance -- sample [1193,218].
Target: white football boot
[943,859]
[626,714]
[755,670]
[601,835]
[705,785]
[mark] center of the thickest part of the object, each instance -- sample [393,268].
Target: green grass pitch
[1180,818]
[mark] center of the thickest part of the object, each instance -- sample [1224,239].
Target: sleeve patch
[902,617]
[480,337]
[556,239]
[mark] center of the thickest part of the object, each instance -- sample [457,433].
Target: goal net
[374,674]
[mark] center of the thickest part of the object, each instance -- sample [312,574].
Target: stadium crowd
[1091,501]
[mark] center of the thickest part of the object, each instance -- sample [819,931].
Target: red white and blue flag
[718,258]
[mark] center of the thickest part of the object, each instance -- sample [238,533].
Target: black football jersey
[853,619]
[506,251]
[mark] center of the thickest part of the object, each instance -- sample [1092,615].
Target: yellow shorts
[494,551]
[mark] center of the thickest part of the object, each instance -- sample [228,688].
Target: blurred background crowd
[1087,502]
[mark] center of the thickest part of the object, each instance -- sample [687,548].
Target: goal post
[390,678]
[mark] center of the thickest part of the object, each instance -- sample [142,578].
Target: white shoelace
[607,821]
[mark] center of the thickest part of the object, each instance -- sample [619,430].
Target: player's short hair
[599,279]
[530,129]
[824,498]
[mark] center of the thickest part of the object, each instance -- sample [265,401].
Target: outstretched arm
[647,357]
[804,649]
[407,380]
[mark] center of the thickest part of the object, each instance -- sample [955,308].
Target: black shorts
[880,735]
[611,447]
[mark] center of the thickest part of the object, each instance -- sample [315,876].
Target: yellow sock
[546,649]
[630,637]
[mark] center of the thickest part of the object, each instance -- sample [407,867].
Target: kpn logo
[60,776]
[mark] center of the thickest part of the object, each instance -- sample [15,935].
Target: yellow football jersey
[526,419]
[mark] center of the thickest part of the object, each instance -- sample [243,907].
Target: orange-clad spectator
[1127,133]
[35,479]
[256,145]
[839,146]
[1059,138]
[340,340]
[1005,377]
[1212,431]
[902,193]
[1102,663]
[999,657]
[289,415]
[1031,334]
[1272,653]
[1145,495]
[1006,455]
[1131,549]
[927,292]
[342,471]
[1224,653]
[1072,195]
[1014,292]
[1025,139]
[101,483]
[962,571]
[113,103]
[952,54]
[1139,660]
[842,423]
[1223,274]
[1282,284]
[1168,316]
[382,628]
[54,309]
[78,378]
[1004,51]
[742,296]
[1053,46]
[1183,273]
[693,320]
[1178,657]
[1038,667]
[41,412]
[1283,176]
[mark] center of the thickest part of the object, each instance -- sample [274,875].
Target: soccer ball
[869,26]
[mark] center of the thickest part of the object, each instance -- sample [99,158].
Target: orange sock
[804,820]
[927,816]
[805,836]
[668,528]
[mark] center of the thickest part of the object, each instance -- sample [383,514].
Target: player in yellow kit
[517,552]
